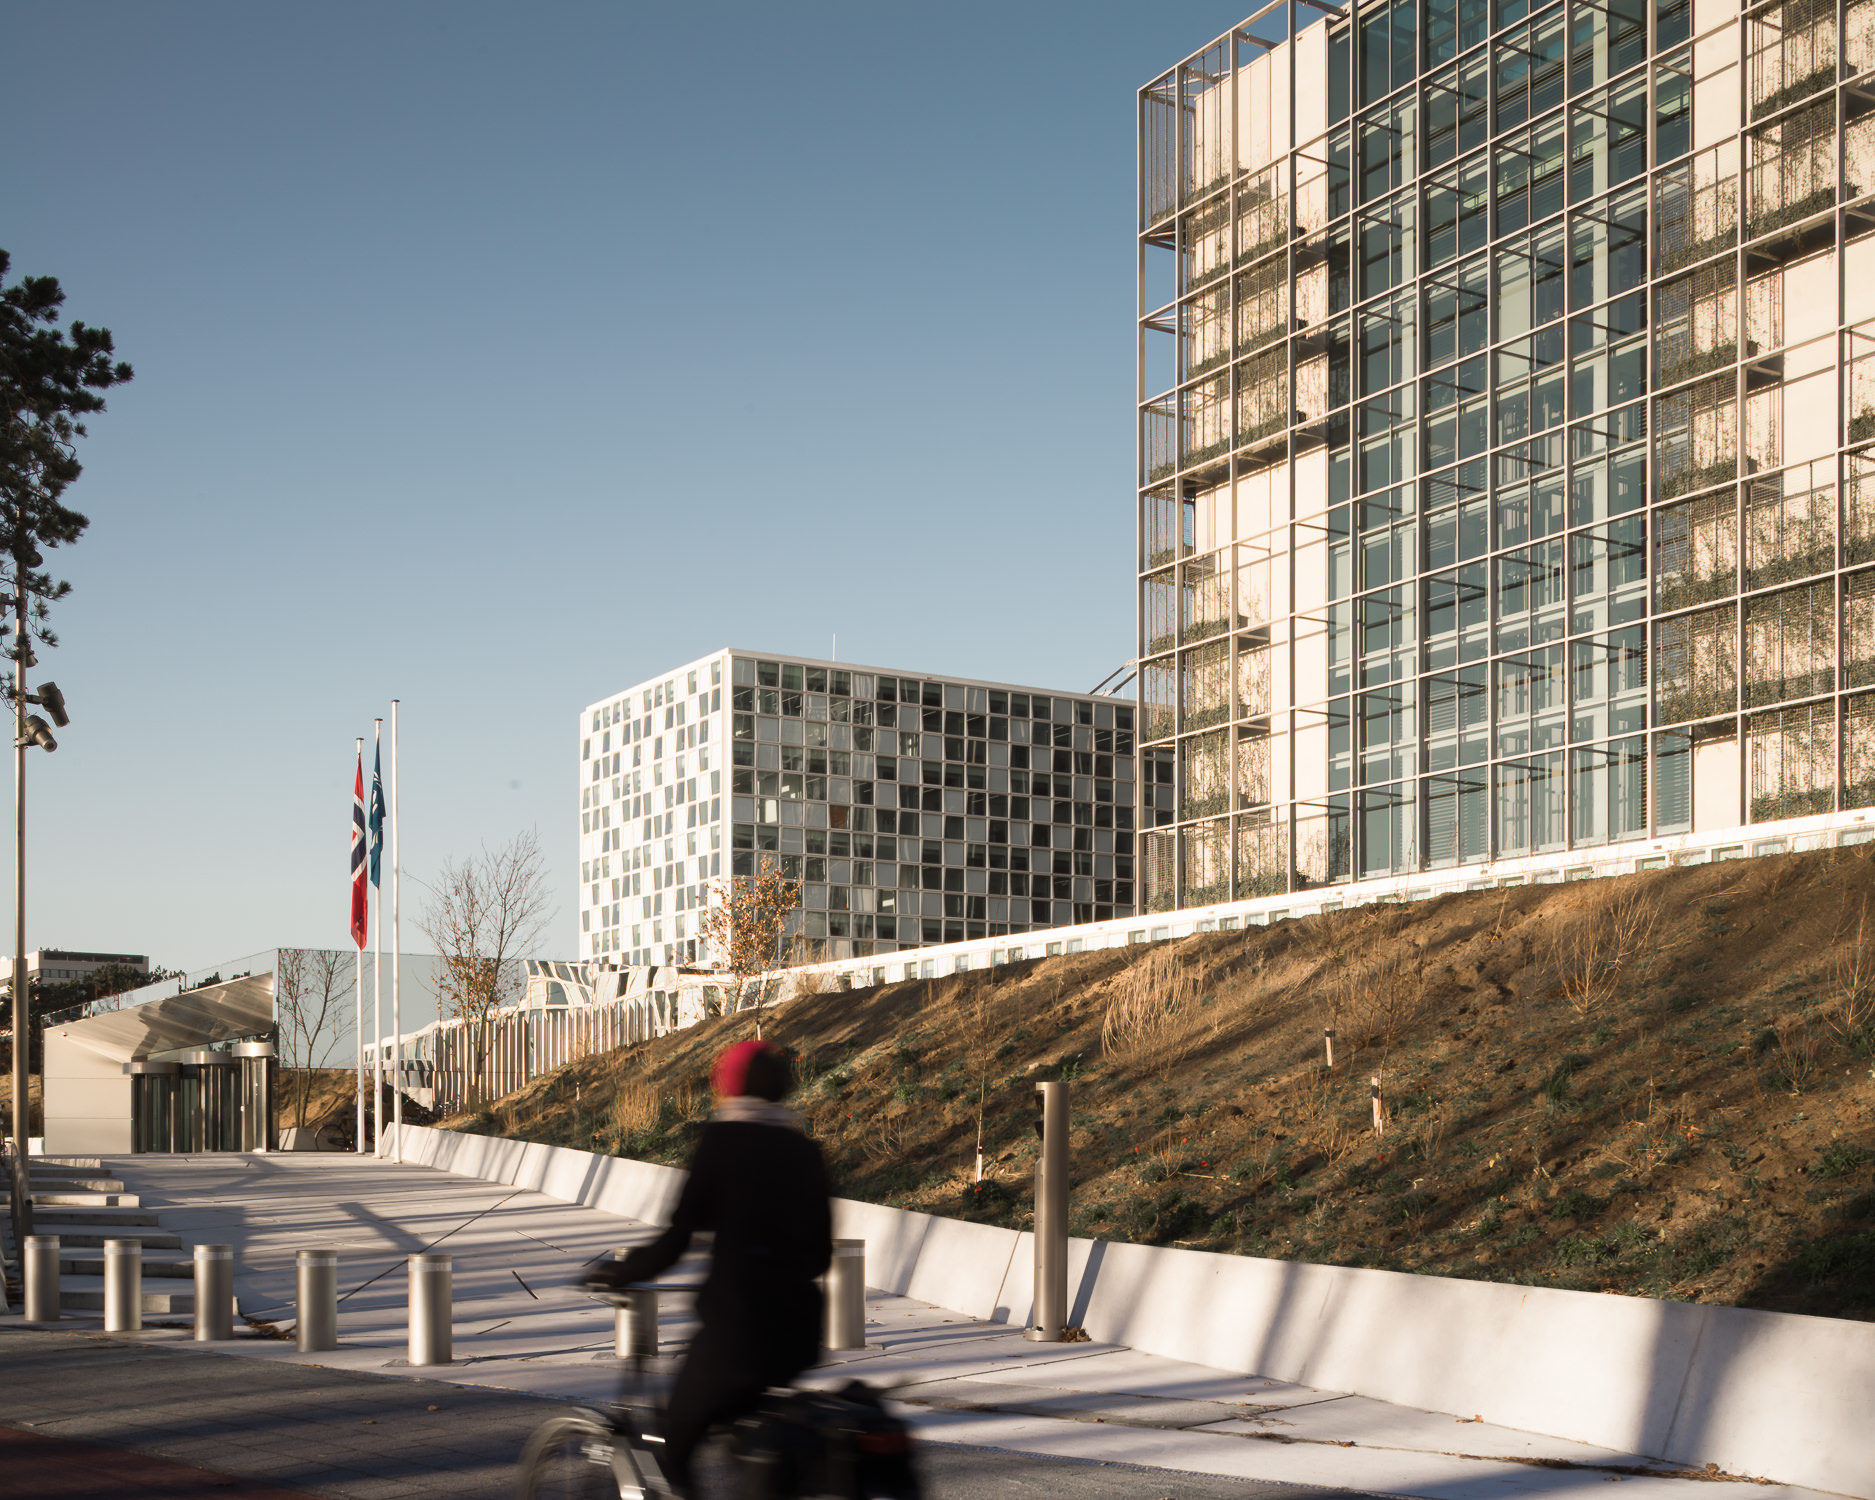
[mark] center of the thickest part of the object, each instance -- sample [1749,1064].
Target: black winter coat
[762,1190]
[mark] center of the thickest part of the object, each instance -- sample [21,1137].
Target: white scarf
[746,1109]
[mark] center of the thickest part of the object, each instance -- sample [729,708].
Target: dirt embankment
[1661,1085]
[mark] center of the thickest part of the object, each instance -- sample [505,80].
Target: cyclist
[759,1185]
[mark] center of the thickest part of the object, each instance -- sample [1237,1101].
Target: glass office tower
[1507,434]
[913,809]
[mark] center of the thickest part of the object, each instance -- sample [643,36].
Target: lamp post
[28,730]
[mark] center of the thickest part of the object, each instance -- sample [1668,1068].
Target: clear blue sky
[497,357]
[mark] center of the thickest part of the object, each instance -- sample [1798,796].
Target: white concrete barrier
[965,1266]
[1771,1395]
[613,1184]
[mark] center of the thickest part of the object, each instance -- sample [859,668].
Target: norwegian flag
[359,920]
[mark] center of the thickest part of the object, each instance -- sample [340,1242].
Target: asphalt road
[362,1437]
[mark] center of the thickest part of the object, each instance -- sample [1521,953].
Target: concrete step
[151,1239]
[50,1221]
[93,1265]
[86,1294]
[71,1183]
[77,1163]
[42,1199]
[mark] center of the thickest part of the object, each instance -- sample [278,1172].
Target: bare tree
[309,990]
[484,913]
[1590,955]
[1852,981]
[982,991]
[745,923]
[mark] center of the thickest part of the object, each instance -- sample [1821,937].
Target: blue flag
[377,813]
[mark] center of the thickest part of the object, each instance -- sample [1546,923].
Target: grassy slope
[1699,1125]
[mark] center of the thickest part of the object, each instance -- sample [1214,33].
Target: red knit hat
[730,1076]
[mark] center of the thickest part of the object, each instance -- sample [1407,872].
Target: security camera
[53,701]
[39,733]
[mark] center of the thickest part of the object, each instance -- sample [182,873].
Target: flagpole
[358,1030]
[397,944]
[377,964]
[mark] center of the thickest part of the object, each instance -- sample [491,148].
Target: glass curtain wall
[1507,434]
[922,810]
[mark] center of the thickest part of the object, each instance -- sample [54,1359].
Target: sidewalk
[164,1422]
[519,1328]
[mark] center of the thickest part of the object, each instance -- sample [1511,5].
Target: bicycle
[796,1444]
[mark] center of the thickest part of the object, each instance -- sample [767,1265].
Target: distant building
[60,965]
[913,808]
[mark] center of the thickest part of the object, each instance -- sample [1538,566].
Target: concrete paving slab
[899,1352]
[1128,1372]
[1375,1470]
[1377,1424]
[1078,1406]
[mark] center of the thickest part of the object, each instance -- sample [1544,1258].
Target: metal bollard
[42,1278]
[214,1293]
[635,1325]
[123,1285]
[318,1289]
[1051,1218]
[431,1287]
[846,1295]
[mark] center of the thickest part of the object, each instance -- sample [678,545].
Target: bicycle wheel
[568,1458]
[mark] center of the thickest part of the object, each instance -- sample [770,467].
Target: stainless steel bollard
[846,1295]
[42,1278]
[214,1293]
[318,1290]
[431,1287]
[1051,1218]
[635,1326]
[123,1285]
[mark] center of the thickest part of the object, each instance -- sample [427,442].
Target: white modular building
[913,808]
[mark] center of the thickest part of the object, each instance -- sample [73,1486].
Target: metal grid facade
[913,809]
[1507,434]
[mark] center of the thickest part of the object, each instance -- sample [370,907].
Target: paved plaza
[1002,1415]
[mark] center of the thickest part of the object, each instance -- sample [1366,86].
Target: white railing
[1789,836]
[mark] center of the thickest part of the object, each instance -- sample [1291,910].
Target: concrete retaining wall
[1771,1395]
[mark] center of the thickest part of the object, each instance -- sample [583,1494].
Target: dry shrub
[809,982]
[634,1108]
[1793,1055]
[883,1141]
[1322,937]
[1311,1099]
[803,982]
[1375,1003]
[1590,953]
[1850,1012]
[1153,1003]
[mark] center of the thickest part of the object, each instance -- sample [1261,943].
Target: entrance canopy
[215,1013]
